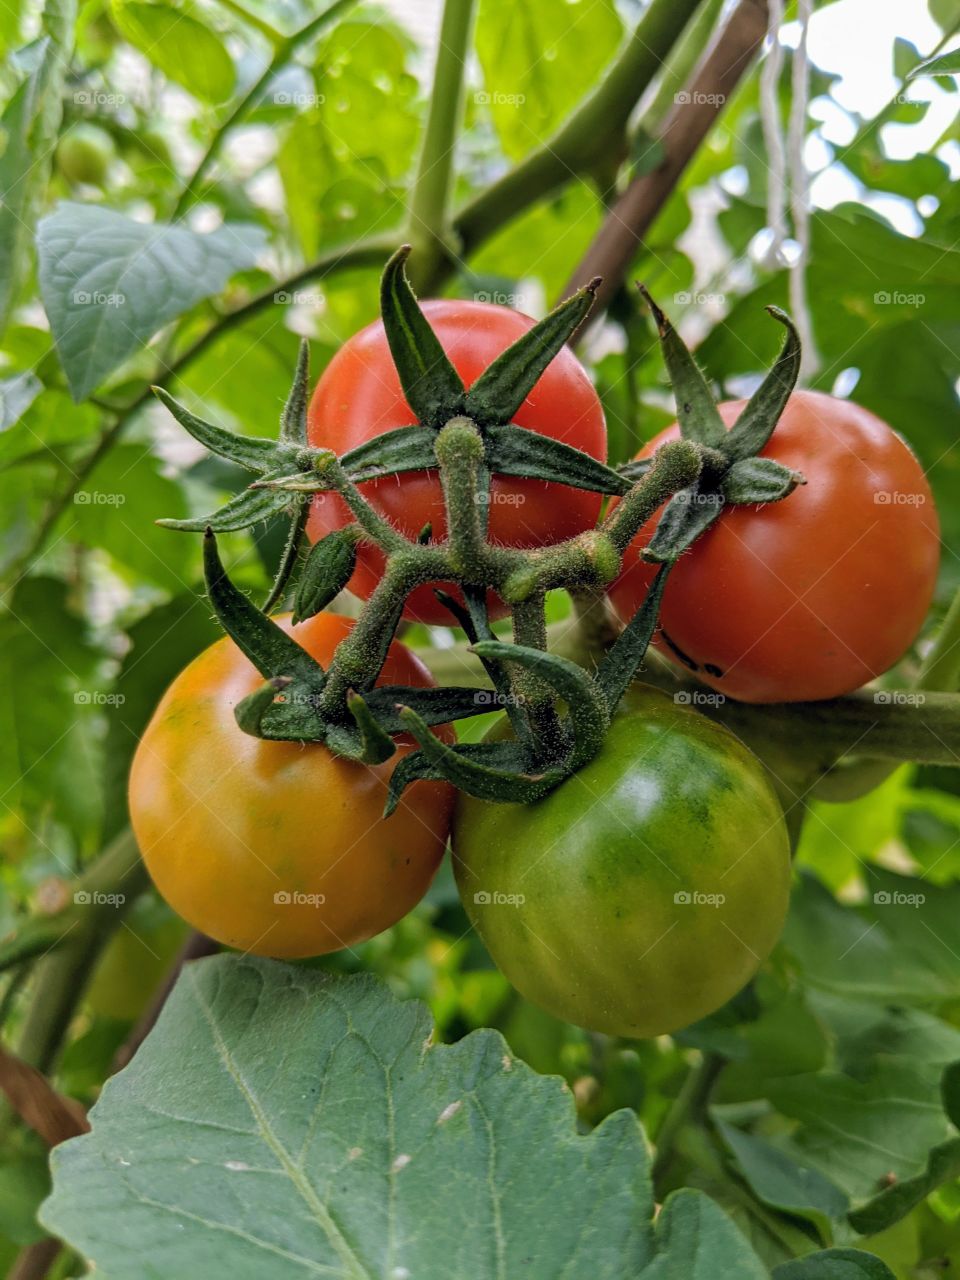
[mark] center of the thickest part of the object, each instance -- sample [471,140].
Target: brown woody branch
[693,114]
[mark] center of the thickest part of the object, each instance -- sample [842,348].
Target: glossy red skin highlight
[359,397]
[811,597]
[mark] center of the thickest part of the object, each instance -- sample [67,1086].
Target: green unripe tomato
[84,154]
[644,891]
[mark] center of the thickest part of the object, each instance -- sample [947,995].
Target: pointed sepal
[403,449]
[697,411]
[504,385]
[619,666]
[249,507]
[488,770]
[251,452]
[293,420]
[759,480]
[760,415]
[431,385]
[271,650]
[515,451]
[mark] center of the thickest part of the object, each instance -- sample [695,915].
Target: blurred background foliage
[842,1043]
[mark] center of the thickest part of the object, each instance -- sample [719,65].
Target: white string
[773,137]
[799,195]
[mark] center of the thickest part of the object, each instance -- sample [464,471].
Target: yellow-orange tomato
[276,847]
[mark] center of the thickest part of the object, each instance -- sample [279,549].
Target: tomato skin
[84,154]
[226,821]
[813,596]
[673,804]
[359,397]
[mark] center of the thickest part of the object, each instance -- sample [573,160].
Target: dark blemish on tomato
[675,648]
[712,669]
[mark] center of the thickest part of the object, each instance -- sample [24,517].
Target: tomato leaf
[834,1264]
[432,386]
[504,385]
[514,451]
[110,283]
[181,46]
[29,127]
[947,64]
[776,1178]
[311,1098]
[697,1241]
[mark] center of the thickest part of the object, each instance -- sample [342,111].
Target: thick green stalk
[428,225]
[466,490]
[594,130]
[939,671]
[689,1107]
[533,694]
[111,886]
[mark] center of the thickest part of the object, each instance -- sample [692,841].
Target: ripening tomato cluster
[646,889]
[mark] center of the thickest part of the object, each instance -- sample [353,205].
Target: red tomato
[359,397]
[813,596]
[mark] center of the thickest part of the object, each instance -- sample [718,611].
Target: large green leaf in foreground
[280,1122]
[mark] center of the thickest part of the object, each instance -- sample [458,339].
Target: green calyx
[732,471]
[558,711]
